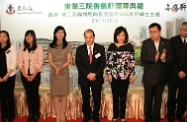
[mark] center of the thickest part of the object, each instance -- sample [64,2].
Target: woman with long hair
[30,63]
[59,52]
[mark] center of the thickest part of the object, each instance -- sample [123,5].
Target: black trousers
[152,93]
[32,93]
[180,85]
[96,93]
[119,92]
[7,99]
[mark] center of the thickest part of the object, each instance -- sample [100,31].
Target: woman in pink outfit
[30,61]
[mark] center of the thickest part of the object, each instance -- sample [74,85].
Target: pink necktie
[90,55]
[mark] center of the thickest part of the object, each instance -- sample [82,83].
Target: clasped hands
[182,74]
[91,76]
[58,71]
[162,57]
[29,78]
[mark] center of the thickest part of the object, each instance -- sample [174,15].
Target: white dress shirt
[88,48]
[157,45]
[183,39]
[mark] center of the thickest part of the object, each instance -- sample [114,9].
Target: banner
[103,16]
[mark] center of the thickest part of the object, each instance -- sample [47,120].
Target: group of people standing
[29,61]
[164,62]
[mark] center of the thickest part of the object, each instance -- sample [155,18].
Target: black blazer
[154,72]
[180,54]
[84,67]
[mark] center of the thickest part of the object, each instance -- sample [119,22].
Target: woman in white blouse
[8,64]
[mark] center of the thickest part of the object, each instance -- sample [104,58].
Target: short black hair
[89,30]
[155,25]
[118,31]
[184,23]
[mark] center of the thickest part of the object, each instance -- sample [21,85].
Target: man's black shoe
[180,119]
[30,118]
[171,119]
[86,118]
[96,120]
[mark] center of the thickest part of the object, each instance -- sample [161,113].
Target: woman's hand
[1,80]
[110,78]
[5,78]
[57,71]
[131,78]
[26,76]
[31,78]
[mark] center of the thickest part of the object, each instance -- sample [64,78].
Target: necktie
[184,41]
[90,55]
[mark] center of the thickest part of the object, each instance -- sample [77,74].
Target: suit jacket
[155,72]
[180,54]
[83,64]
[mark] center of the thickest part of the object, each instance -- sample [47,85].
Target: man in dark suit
[90,60]
[179,79]
[155,54]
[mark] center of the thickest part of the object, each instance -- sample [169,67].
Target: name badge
[97,55]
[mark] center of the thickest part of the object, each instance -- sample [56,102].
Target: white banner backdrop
[103,16]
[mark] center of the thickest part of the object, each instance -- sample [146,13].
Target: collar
[92,46]
[157,41]
[183,38]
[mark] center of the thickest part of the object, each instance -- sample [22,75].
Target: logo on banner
[10,9]
[176,7]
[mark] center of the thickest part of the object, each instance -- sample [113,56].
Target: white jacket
[11,58]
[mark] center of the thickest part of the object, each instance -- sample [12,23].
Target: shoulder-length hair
[54,42]
[8,44]
[118,31]
[34,42]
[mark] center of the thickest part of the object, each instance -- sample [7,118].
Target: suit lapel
[94,53]
[85,51]
[181,41]
[152,46]
[161,46]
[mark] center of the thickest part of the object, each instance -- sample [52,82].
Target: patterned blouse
[120,61]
